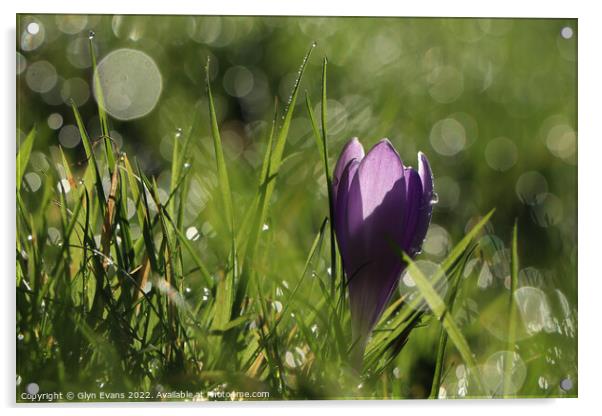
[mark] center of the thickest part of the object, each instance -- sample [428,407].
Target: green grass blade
[23,156]
[222,172]
[268,184]
[511,311]
[102,114]
[441,311]
[442,343]
[225,287]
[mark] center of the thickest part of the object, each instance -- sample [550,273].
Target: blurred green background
[492,102]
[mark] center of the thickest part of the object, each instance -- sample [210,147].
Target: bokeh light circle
[448,137]
[21,63]
[531,187]
[75,89]
[131,83]
[33,36]
[69,136]
[561,141]
[446,84]
[501,154]
[534,309]
[494,372]
[55,121]
[238,81]
[549,211]
[566,32]
[41,76]
[71,24]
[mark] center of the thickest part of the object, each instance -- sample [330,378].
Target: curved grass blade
[441,311]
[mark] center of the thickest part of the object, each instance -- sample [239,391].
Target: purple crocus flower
[380,207]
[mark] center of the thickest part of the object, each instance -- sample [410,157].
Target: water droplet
[265,227]
[178,133]
[543,383]
[192,233]
[29,237]
[186,165]
[434,198]
[20,337]
[277,306]
[91,35]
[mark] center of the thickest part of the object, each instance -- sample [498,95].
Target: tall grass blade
[512,318]
[102,113]
[442,312]
[23,156]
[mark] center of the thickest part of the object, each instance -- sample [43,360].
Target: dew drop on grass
[20,337]
[277,305]
[543,383]
[192,233]
[91,35]
[265,227]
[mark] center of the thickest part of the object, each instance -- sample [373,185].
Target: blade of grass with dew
[23,156]
[269,174]
[321,142]
[92,174]
[102,114]
[225,289]
[333,250]
[441,311]
[512,318]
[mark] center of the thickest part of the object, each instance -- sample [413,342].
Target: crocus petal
[412,207]
[352,150]
[426,206]
[375,206]
[340,205]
